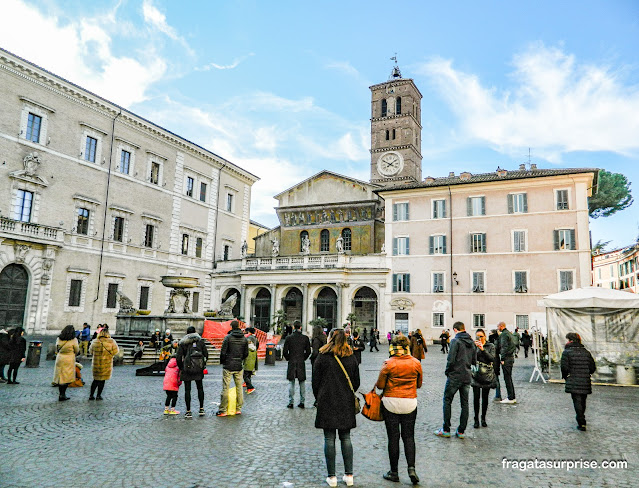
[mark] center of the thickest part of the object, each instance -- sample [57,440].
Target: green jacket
[250,363]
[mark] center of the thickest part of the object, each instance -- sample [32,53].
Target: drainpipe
[217,214]
[106,202]
[450,220]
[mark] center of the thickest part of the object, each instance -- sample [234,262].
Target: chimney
[533,166]
[465,175]
[429,179]
[451,174]
[501,172]
[522,167]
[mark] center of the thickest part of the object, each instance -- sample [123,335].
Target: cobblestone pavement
[125,441]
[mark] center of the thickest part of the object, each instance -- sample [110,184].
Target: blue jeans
[329,450]
[498,390]
[452,387]
[291,391]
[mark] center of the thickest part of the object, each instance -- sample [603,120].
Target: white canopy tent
[608,323]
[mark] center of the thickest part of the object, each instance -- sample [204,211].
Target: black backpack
[194,360]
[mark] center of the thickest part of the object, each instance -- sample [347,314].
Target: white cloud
[558,105]
[343,66]
[80,51]
[157,19]
[233,65]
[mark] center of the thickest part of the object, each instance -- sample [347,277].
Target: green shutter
[483,243]
[394,283]
[435,216]
[469,206]
[394,211]
[470,248]
[407,282]
[443,209]
[525,202]
[556,238]
[431,244]
[394,246]
[407,211]
[444,247]
[407,245]
[483,205]
[510,204]
[573,243]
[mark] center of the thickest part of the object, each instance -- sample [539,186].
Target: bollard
[33,356]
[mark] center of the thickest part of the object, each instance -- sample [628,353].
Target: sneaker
[414,479]
[244,385]
[166,410]
[238,412]
[441,433]
[250,390]
[301,405]
[460,435]
[331,481]
[391,476]
[221,414]
[173,412]
[348,479]
[201,412]
[188,415]
[63,398]
[509,401]
[497,399]
[3,380]
[476,424]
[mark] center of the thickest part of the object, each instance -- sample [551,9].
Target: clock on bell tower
[396,140]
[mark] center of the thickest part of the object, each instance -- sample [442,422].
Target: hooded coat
[64,372]
[461,355]
[417,346]
[103,350]
[577,365]
[4,347]
[192,340]
[234,350]
[172,380]
[297,349]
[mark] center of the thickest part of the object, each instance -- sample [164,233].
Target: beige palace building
[96,201]
[618,269]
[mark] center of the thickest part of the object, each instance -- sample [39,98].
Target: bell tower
[396,131]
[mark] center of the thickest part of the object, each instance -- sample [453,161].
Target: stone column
[305,314]
[273,289]
[243,303]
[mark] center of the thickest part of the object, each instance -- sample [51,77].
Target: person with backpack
[358,346]
[250,364]
[171,386]
[233,353]
[191,358]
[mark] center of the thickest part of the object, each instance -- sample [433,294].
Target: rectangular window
[229,202]
[439,209]
[112,295]
[566,279]
[599,273]
[478,281]
[437,245]
[521,321]
[519,241]
[34,123]
[148,235]
[185,244]
[196,302]
[155,173]
[517,203]
[202,192]
[562,200]
[198,247]
[479,321]
[75,293]
[475,206]
[438,282]
[144,298]
[189,186]
[564,239]
[521,282]
[478,243]
[401,282]
[227,252]
[118,229]
[90,148]
[22,209]
[401,246]
[324,241]
[438,319]
[400,211]
[83,221]
[401,322]
[125,162]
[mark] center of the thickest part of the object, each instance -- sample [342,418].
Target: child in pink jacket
[172,384]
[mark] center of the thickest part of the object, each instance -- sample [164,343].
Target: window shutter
[573,244]
[407,245]
[443,209]
[470,249]
[394,211]
[562,281]
[556,234]
[517,241]
[475,281]
[525,202]
[444,244]
[483,242]
[483,205]
[435,216]
[481,281]
[510,204]
[407,282]
[394,282]
[524,281]
[394,246]
[432,244]
[407,207]
[517,280]
[569,277]
[469,206]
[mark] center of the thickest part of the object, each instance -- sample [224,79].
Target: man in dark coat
[191,351]
[297,349]
[526,341]
[577,365]
[462,354]
[507,349]
[5,353]
[234,351]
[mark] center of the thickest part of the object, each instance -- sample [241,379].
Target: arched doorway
[292,305]
[364,306]
[326,306]
[262,310]
[14,286]
[236,307]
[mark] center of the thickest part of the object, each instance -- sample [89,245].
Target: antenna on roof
[396,73]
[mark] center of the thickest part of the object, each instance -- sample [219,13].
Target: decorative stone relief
[47,264]
[31,164]
[20,251]
[441,306]
[401,304]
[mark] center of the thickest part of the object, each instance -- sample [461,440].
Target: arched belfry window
[384,108]
[387,134]
[324,241]
[393,134]
[398,105]
[347,238]
[303,235]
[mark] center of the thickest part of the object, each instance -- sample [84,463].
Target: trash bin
[33,356]
[270,355]
[278,352]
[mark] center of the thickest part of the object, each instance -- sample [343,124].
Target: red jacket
[172,380]
[400,377]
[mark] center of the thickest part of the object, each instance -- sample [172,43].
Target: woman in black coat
[17,353]
[577,364]
[483,382]
[336,401]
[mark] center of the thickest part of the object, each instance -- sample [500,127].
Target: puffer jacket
[577,365]
[188,341]
[461,355]
[172,380]
[507,346]
[400,377]
[487,356]
[234,350]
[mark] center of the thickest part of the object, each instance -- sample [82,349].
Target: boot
[413,475]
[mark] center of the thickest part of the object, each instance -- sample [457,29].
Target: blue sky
[281,87]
